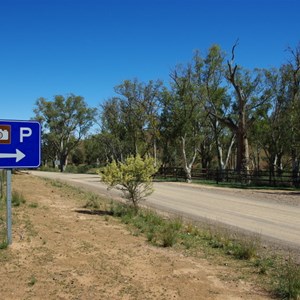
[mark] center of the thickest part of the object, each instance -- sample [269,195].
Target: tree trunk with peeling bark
[187,166]
[240,129]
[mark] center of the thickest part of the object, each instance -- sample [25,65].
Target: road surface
[270,213]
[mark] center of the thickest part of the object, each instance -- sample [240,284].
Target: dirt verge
[60,253]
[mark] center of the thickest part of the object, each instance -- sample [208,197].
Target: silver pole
[8,206]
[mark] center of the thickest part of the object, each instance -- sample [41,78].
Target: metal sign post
[20,148]
[8,207]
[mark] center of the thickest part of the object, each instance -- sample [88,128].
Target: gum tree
[132,117]
[248,95]
[65,121]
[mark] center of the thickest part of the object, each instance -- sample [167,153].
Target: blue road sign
[20,144]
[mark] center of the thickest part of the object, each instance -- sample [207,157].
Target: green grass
[3,242]
[3,245]
[168,232]
[33,205]
[55,183]
[32,281]
[17,198]
[287,285]
[93,201]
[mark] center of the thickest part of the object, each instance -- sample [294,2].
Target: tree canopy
[65,121]
[213,113]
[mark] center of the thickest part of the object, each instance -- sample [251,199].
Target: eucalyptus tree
[217,103]
[293,69]
[65,121]
[248,95]
[181,116]
[133,114]
[49,150]
[279,131]
[168,134]
[152,94]
[102,148]
[132,117]
[271,129]
[114,131]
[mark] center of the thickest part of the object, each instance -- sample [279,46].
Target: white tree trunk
[187,165]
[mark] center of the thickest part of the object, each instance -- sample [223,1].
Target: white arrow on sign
[18,155]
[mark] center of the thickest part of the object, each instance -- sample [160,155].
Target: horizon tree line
[213,114]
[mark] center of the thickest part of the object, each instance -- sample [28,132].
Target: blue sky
[86,47]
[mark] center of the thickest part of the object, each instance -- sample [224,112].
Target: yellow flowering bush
[133,177]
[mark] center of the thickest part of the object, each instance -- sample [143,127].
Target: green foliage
[33,205]
[3,242]
[3,245]
[48,169]
[93,201]
[133,177]
[65,122]
[288,281]
[17,198]
[32,281]
[168,235]
[264,264]
[2,181]
[130,121]
[244,249]
[56,183]
[240,248]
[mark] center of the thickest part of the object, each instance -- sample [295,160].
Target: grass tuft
[33,205]
[17,198]
[93,201]
[3,245]
[32,281]
[287,285]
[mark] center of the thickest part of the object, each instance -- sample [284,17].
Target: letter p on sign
[24,132]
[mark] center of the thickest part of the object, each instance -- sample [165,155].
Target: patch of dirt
[60,252]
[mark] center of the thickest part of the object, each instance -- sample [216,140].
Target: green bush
[133,178]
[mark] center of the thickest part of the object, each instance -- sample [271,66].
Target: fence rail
[252,178]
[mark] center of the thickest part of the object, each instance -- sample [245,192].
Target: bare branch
[226,121]
[233,48]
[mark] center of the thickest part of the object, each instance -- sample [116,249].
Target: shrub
[133,178]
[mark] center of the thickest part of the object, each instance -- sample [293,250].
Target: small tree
[133,178]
